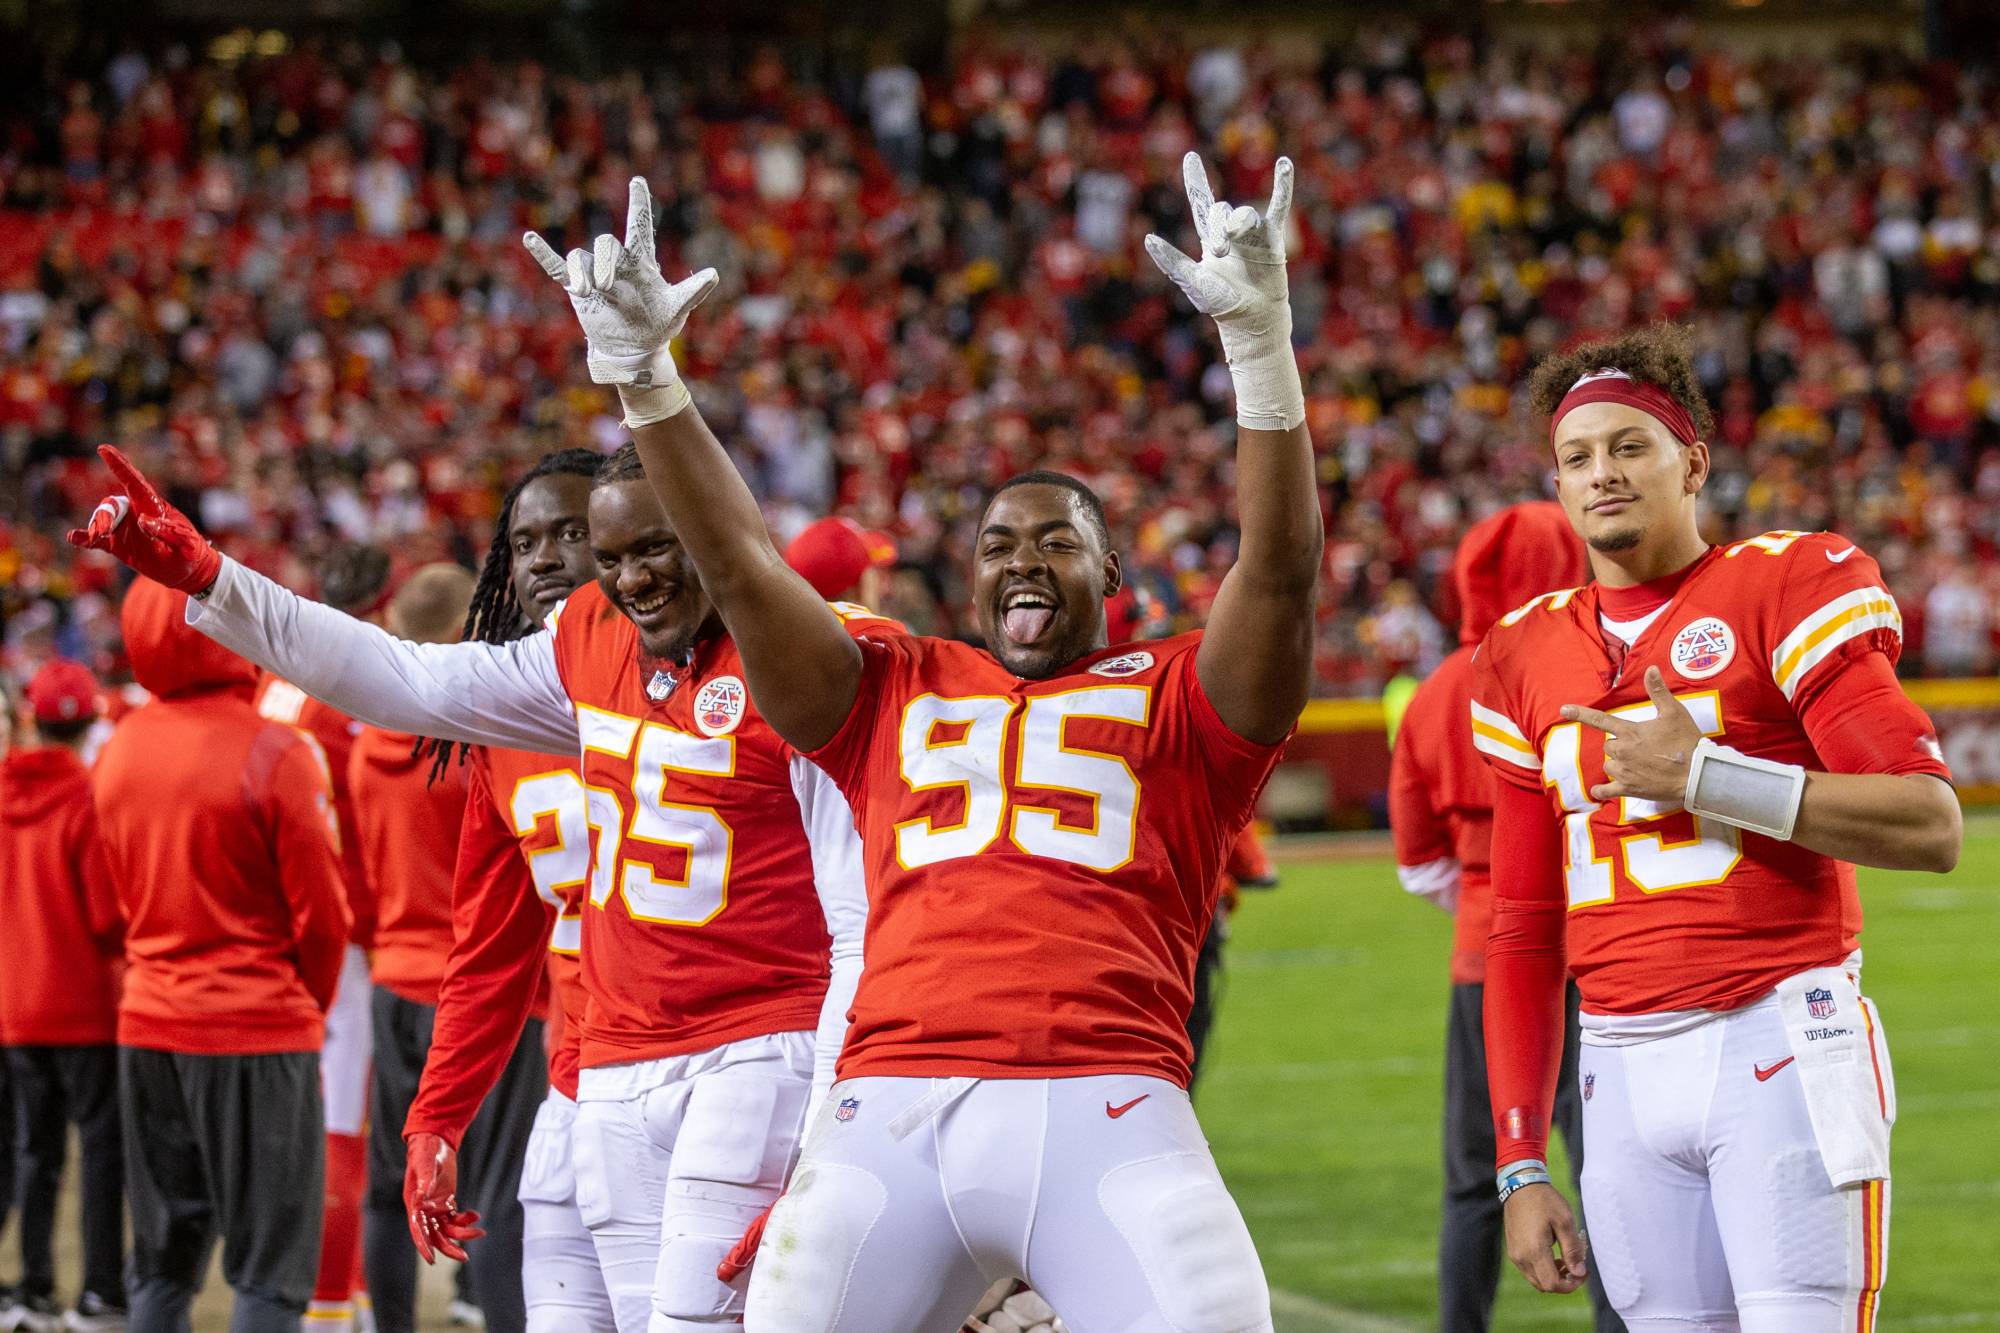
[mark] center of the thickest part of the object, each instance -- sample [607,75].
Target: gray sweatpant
[230,1147]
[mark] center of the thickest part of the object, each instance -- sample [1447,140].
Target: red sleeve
[1525,970]
[844,758]
[500,933]
[1860,721]
[309,870]
[1418,827]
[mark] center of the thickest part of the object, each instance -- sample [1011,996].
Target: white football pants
[674,1159]
[1709,1205]
[559,1274]
[349,1047]
[915,1194]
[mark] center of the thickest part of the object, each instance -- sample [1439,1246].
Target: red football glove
[737,1262]
[430,1187]
[158,541]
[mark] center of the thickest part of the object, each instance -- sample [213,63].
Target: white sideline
[1293,1313]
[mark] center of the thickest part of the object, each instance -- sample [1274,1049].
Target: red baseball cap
[833,553]
[63,691]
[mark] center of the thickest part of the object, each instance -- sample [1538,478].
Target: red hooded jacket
[218,829]
[282,701]
[1440,791]
[406,829]
[59,986]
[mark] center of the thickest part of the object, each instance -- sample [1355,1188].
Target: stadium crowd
[291,285]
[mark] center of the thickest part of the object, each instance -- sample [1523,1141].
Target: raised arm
[488,694]
[803,668]
[1255,662]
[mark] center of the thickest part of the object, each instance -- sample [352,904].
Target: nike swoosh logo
[1835,557]
[1115,1111]
[1763,1072]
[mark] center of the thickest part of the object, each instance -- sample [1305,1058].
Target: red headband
[1615,386]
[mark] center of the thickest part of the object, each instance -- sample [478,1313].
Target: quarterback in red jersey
[1044,825]
[1695,750]
[722,934]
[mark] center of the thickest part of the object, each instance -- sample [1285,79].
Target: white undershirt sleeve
[843,897]
[489,694]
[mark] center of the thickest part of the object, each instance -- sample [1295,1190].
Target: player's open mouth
[1026,614]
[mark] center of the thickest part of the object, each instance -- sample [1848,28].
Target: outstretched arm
[1255,661]
[803,668]
[491,694]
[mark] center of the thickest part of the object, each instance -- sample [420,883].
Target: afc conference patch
[1125,664]
[1702,648]
[1819,1002]
[719,705]
[848,1106]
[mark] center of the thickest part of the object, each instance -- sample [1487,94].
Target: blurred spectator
[293,284]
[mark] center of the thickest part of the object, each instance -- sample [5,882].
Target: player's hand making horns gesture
[1646,758]
[1239,282]
[628,310]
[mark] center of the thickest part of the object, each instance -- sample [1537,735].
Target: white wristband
[1760,795]
[648,407]
[1265,371]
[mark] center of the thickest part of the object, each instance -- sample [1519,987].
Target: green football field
[1322,1097]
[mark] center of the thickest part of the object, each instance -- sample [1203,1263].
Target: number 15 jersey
[1668,911]
[1042,856]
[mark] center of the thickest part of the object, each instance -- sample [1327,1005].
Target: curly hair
[1660,354]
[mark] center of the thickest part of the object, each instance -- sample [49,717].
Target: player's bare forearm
[803,667]
[1888,820]
[1255,662]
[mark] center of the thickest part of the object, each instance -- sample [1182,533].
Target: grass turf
[1322,1096]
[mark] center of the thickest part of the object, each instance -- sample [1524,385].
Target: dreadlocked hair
[495,615]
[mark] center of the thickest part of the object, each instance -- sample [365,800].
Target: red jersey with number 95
[1043,857]
[1668,911]
[702,924]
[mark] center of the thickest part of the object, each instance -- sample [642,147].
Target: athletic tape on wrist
[1741,790]
[649,407]
[1265,372]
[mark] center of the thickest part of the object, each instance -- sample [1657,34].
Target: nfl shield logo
[1589,1085]
[848,1106]
[1819,1003]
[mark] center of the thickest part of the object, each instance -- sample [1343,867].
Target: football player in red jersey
[1695,750]
[518,893]
[1044,826]
[722,861]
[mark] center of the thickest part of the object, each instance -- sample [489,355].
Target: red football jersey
[518,890]
[1043,857]
[1668,911]
[703,925]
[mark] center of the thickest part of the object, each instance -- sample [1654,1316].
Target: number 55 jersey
[1042,857]
[1782,647]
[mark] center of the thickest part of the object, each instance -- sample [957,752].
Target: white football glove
[1239,283]
[628,312]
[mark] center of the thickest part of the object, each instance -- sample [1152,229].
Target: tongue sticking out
[1024,624]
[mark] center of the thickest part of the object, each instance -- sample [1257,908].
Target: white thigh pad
[741,1130]
[547,1175]
[800,1281]
[1189,1239]
[735,1148]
